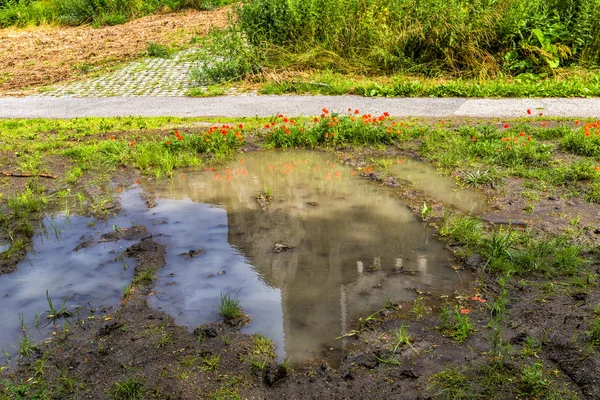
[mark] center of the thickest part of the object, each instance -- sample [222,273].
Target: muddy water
[425,178]
[352,247]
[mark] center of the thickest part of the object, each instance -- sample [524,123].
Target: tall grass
[477,38]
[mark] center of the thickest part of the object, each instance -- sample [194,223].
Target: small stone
[279,248]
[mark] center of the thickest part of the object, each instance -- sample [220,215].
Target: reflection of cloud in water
[353,247]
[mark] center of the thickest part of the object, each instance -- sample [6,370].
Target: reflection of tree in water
[328,279]
[347,238]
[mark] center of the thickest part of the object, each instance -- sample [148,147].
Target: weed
[26,346]
[158,50]
[53,313]
[462,230]
[418,308]
[126,291]
[477,178]
[127,389]
[454,324]
[594,332]
[451,384]
[164,338]
[230,307]
[531,347]
[259,364]
[533,383]
[401,338]
[425,210]
[210,363]
[144,277]
[497,308]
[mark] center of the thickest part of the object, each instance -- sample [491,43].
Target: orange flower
[132,143]
[506,126]
[529,112]
[479,299]
[316,119]
[325,111]
[522,134]
[386,114]
[167,143]
[356,112]
[474,139]
[543,124]
[112,138]
[465,311]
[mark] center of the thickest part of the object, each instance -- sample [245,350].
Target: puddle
[88,277]
[352,246]
[425,178]
[4,247]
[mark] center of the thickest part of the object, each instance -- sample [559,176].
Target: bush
[478,38]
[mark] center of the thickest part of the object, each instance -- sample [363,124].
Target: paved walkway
[249,106]
[151,76]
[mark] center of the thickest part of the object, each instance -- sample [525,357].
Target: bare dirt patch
[44,55]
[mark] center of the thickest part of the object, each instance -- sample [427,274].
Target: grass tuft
[230,307]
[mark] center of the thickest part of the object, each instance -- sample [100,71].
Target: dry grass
[39,56]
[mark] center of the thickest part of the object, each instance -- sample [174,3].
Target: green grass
[569,83]
[96,12]
[230,307]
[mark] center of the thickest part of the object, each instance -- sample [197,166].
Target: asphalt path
[250,106]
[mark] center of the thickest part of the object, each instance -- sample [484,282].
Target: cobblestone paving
[148,77]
